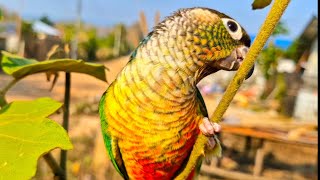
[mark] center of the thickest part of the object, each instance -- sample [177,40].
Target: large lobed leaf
[26,134]
[19,67]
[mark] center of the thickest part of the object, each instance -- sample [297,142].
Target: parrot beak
[250,73]
[234,60]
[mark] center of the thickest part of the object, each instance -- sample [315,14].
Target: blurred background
[270,130]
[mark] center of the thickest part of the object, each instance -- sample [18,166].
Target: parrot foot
[209,129]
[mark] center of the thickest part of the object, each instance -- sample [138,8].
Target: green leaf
[260,4]
[20,67]
[26,134]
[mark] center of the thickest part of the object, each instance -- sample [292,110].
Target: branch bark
[65,123]
[56,169]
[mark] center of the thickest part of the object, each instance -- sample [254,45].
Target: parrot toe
[211,142]
[208,128]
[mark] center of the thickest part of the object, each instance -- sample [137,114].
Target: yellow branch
[267,28]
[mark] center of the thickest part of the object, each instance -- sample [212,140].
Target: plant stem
[65,123]
[57,171]
[74,48]
[266,30]
[3,92]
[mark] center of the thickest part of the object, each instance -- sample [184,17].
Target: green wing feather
[111,143]
[202,108]
[217,149]
[144,41]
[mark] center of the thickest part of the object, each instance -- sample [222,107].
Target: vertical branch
[65,123]
[117,41]
[58,172]
[265,32]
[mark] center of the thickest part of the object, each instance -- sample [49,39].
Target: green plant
[25,134]
[91,45]
[268,62]
[46,20]
[25,131]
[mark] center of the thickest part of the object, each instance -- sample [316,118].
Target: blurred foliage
[157,18]
[280,29]
[94,43]
[95,47]
[97,43]
[7,15]
[143,23]
[1,14]
[90,46]
[281,89]
[304,42]
[291,52]
[124,45]
[26,29]
[268,60]
[46,20]
[68,32]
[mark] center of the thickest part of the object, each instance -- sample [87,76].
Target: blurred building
[9,38]
[306,107]
[38,43]
[306,104]
[45,29]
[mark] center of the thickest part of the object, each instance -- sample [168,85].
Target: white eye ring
[233,28]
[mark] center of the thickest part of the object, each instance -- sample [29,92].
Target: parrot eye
[233,28]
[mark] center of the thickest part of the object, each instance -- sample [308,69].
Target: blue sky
[107,12]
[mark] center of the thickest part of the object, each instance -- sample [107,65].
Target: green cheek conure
[153,112]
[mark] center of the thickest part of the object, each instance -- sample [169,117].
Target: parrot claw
[208,128]
[211,142]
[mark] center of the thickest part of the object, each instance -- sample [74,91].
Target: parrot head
[213,38]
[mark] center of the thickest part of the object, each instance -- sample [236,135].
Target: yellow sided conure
[153,112]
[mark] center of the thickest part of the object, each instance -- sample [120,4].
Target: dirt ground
[88,159]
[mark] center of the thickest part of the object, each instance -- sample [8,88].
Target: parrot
[153,112]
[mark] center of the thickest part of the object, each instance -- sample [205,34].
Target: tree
[156,18]
[91,45]
[268,60]
[143,23]
[304,41]
[280,29]
[45,19]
